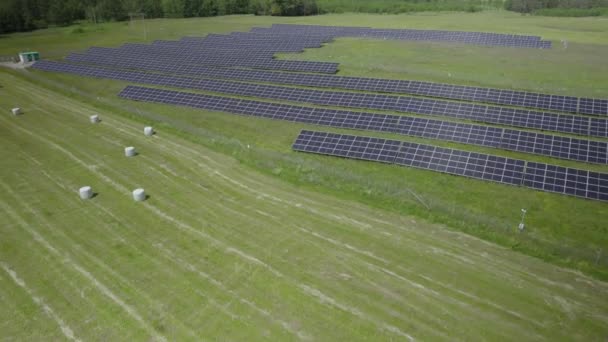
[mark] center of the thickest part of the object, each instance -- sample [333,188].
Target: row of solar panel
[286,46]
[187,55]
[196,57]
[492,39]
[274,47]
[513,140]
[183,56]
[291,28]
[278,36]
[539,176]
[457,92]
[258,38]
[273,64]
[411,35]
[446,36]
[270,42]
[482,113]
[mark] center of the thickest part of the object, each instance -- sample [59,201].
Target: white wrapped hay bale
[94,118]
[130,151]
[16,111]
[139,195]
[148,131]
[86,192]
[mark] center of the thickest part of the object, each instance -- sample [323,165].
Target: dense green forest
[25,15]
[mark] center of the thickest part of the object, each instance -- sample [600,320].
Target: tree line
[566,7]
[26,15]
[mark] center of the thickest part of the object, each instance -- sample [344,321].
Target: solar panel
[274,47]
[185,54]
[137,54]
[116,57]
[539,176]
[547,145]
[482,113]
[479,38]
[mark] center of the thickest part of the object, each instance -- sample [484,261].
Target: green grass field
[243,239]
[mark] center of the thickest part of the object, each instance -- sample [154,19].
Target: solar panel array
[220,50]
[216,62]
[228,60]
[479,38]
[513,140]
[482,113]
[246,41]
[252,38]
[236,47]
[162,59]
[539,176]
[210,51]
[186,55]
[282,46]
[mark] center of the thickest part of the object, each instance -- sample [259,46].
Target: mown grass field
[243,239]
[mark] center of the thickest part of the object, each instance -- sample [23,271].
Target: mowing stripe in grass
[65,329]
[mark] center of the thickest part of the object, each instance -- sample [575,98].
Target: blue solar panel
[526,142]
[482,113]
[163,57]
[252,59]
[539,176]
[479,38]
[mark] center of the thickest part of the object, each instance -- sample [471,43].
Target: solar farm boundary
[537,176]
[563,123]
[511,140]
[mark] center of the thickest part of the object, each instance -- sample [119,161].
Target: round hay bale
[148,131]
[94,118]
[130,151]
[16,111]
[85,192]
[139,195]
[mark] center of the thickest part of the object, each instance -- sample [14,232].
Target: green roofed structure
[31,56]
